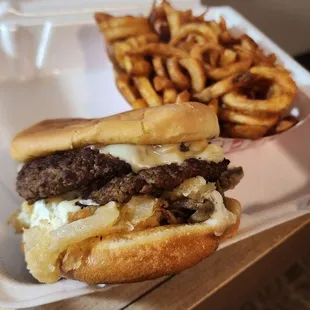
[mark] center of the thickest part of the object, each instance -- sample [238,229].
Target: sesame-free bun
[144,255]
[172,123]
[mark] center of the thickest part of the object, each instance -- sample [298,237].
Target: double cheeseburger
[126,198]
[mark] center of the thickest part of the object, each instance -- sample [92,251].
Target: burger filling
[100,190]
[69,185]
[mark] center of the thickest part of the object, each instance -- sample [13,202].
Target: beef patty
[66,171]
[154,180]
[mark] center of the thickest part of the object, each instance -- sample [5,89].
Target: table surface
[196,285]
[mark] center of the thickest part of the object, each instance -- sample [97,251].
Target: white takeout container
[55,65]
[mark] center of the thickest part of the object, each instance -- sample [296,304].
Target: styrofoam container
[53,64]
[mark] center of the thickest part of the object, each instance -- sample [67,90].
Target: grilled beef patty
[66,171]
[154,180]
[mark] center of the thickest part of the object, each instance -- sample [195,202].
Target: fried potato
[215,27]
[260,59]
[186,45]
[136,66]
[119,33]
[196,72]
[158,65]
[214,57]
[101,17]
[239,118]
[173,56]
[285,124]
[214,105]
[169,95]
[223,24]
[224,72]
[276,104]
[161,83]
[184,96]
[198,51]
[137,41]
[159,49]
[139,104]
[115,22]
[196,38]
[228,57]
[131,64]
[222,87]
[241,65]
[227,40]
[252,132]
[176,75]
[203,29]
[119,52]
[147,91]
[173,18]
[248,43]
[127,90]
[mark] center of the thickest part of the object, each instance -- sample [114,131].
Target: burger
[126,198]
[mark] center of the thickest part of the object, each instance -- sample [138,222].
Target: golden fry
[196,38]
[143,39]
[227,40]
[239,118]
[159,49]
[137,66]
[133,64]
[215,27]
[196,72]
[184,96]
[285,124]
[214,57]
[176,75]
[139,104]
[186,45]
[119,33]
[278,103]
[119,51]
[127,90]
[222,87]
[161,82]
[198,51]
[228,57]
[248,43]
[158,66]
[199,28]
[101,17]
[222,73]
[222,24]
[115,22]
[147,91]
[243,131]
[173,18]
[169,95]
[214,105]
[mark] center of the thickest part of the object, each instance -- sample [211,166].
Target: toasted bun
[143,255]
[173,123]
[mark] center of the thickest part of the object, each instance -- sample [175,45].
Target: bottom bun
[143,255]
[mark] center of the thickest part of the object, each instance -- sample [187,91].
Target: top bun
[172,123]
